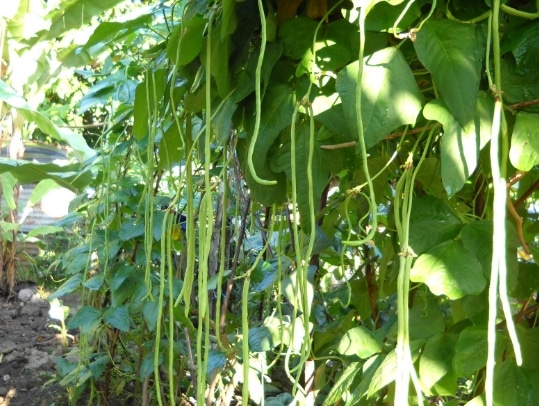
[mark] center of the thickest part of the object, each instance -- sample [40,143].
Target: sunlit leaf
[449,269]
[390,96]
[185,42]
[359,341]
[435,365]
[71,14]
[343,383]
[453,53]
[8,182]
[461,145]
[524,152]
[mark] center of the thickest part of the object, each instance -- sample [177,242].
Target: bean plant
[303,202]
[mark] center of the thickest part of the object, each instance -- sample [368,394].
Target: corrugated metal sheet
[54,205]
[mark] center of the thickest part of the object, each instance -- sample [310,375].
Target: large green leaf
[343,383]
[71,14]
[510,384]
[106,34]
[390,96]
[518,88]
[431,222]
[70,176]
[477,238]
[453,53]
[386,371]
[471,350]
[426,318]
[525,47]
[524,152]
[81,149]
[529,343]
[449,269]
[461,145]
[358,341]
[297,36]
[185,42]
[436,373]
[87,319]
[148,95]
[220,49]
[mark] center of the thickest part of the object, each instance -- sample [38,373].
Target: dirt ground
[28,350]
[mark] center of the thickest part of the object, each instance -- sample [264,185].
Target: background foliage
[289,200]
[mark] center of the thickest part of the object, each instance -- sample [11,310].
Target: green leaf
[343,383]
[71,14]
[431,222]
[8,182]
[435,369]
[461,145]
[471,350]
[525,48]
[390,97]
[170,148]
[147,97]
[384,374]
[229,21]
[216,361]
[95,282]
[150,311]
[383,16]
[41,190]
[104,35]
[518,88]
[297,36]
[43,230]
[108,89]
[185,42]
[132,229]
[510,384]
[265,338]
[449,269]
[277,108]
[222,120]
[426,318]
[477,238]
[87,319]
[219,66]
[359,341]
[453,53]
[76,141]
[117,317]
[291,289]
[68,176]
[146,367]
[524,152]
[529,344]
[527,279]
[68,286]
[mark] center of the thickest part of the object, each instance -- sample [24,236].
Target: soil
[29,348]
